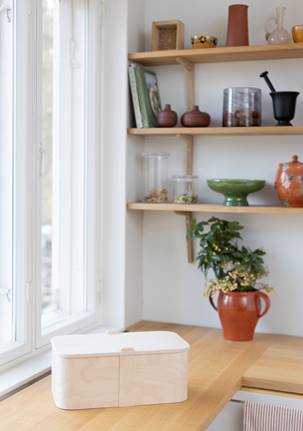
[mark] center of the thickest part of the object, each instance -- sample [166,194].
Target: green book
[148,94]
[134,93]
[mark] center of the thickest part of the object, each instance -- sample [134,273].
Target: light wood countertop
[217,369]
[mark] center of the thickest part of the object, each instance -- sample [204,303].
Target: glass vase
[185,189]
[155,177]
[279,34]
[242,107]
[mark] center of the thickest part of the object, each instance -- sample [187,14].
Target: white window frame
[22,160]
[25,18]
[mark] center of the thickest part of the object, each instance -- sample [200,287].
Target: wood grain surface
[217,369]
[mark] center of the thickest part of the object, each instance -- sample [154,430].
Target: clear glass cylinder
[155,184]
[242,107]
[185,189]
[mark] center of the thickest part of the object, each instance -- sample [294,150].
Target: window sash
[7,294]
[74,210]
[21,144]
[27,108]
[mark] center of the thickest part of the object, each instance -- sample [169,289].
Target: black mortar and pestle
[284,103]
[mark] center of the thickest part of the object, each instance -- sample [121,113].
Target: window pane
[50,296]
[6,183]
[63,154]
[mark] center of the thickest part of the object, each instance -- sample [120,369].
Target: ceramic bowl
[235,191]
[204,41]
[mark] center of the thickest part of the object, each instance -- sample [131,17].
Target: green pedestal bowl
[235,191]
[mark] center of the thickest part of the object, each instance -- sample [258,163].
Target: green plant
[235,267]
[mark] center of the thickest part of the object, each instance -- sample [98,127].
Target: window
[7,335]
[49,60]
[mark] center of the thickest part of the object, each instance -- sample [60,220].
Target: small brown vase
[239,313]
[237,30]
[167,117]
[195,118]
[289,183]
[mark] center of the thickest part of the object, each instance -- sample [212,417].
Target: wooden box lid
[129,343]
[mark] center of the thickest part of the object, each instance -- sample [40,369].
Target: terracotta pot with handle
[239,313]
[289,183]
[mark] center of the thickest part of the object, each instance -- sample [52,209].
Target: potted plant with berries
[237,276]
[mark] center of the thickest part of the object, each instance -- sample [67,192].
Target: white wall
[121,239]
[134,221]
[113,190]
[172,288]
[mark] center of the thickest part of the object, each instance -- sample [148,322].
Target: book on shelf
[134,93]
[145,95]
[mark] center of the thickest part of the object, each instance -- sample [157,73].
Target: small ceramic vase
[195,118]
[167,117]
[237,30]
[289,183]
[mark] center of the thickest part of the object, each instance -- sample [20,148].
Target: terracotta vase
[167,117]
[239,313]
[289,183]
[237,30]
[195,118]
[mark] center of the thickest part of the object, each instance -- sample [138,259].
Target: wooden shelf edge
[219,54]
[217,131]
[212,208]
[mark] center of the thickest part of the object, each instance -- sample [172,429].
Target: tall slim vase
[237,31]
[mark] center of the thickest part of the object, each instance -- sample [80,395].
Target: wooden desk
[217,369]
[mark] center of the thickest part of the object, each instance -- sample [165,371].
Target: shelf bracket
[186,63]
[189,67]
[188,225]
[189,142]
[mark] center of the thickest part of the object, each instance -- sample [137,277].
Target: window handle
[7,10]
[41,159]
[44,160]
[7,293]
[73,54]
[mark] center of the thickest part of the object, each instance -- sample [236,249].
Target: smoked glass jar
[155,177]
[242,107]
[185,189]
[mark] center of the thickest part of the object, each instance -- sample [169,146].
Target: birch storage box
[115,370]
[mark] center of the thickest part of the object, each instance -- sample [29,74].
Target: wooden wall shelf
[187,58]
[217,131]
[211,208]
[218,55]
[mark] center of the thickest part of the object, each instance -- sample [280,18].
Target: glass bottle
[155,177]
[185,189]
[279,34]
